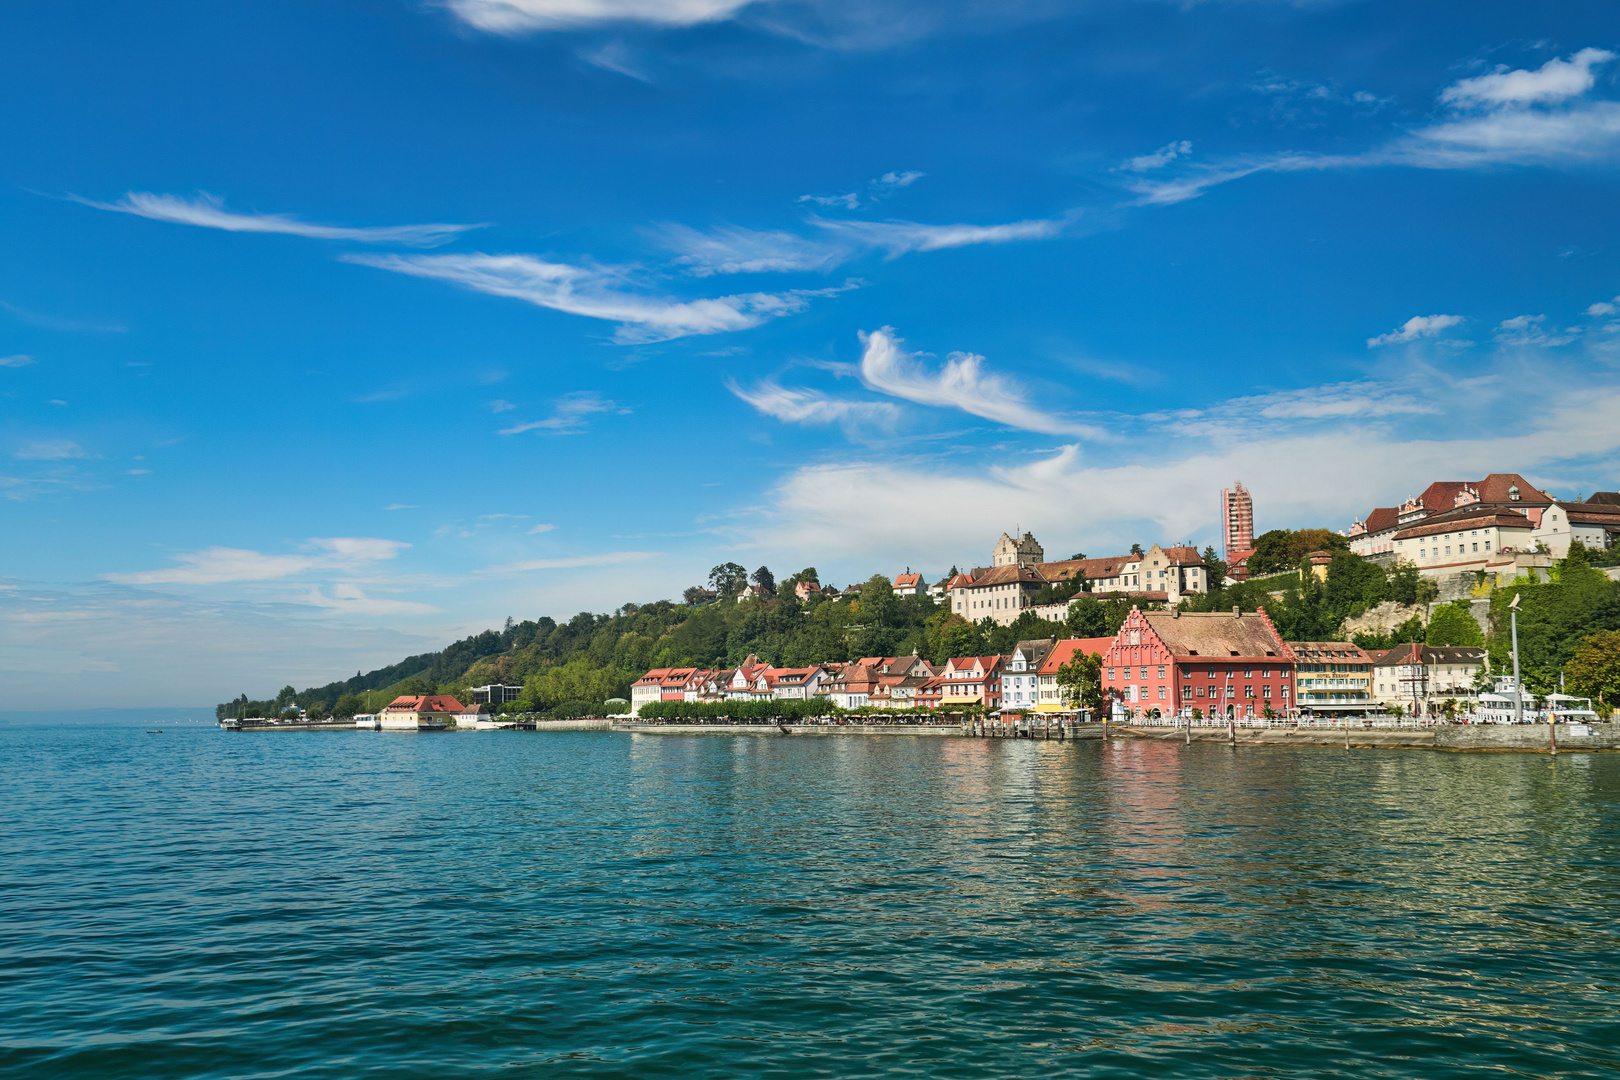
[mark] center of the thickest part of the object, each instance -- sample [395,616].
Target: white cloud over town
[962,383]
[800,405]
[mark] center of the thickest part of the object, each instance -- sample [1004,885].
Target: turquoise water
[208,904]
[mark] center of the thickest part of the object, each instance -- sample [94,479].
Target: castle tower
[1025,551]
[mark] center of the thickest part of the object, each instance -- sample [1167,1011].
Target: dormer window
[1513,493]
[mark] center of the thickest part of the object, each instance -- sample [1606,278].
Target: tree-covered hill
[577,665]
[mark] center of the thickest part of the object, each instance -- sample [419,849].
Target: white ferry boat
[367,722]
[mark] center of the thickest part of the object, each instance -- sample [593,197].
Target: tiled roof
[1383,519]
[1216,634]
[903,580]
[1591,513]
[1007,575]
[1419,653]
[1093,569]
[1607,498]
[1035,649]
[1183,556]
[1475,516]
[1064,651]
[1311,652]
[424,703]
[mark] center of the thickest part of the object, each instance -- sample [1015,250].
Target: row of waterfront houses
[1160,663]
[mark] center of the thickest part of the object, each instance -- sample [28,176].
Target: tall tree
[1594,670]
[1081,682]
[728,579]
[765,579]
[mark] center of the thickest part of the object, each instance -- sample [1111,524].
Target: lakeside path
[1526,738]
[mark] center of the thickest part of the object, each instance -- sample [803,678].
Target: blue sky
[332,331]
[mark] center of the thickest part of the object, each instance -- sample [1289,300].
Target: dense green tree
[1081,682]
[765,579]
[1285,549]
[728,579]
[1594,669]
[1454,624]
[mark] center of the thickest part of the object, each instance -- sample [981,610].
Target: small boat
[158,732]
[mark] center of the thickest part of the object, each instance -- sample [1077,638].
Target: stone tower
[1026,551]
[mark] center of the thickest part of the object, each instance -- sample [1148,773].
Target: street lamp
[1518,687]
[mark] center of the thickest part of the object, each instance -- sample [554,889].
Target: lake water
[506,904]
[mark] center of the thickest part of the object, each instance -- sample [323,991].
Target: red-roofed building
[1052,698]
[967,680]
[908,584]
[1218,663]
[420,712]
[1375,533]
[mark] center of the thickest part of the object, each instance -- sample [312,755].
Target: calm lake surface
[211,904]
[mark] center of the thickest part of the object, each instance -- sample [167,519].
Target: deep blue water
[211,904]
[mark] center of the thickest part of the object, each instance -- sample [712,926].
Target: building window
[1487,545]
[1162,693]
[1248,692]
[1201,691]
[1266,693]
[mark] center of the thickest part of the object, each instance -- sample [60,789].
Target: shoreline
[1455,738]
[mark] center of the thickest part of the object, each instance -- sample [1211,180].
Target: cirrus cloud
[208,211]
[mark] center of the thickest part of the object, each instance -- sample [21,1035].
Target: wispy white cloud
[732,250]
[961,383]
[402,506]
[874,191]
[599,294]
[499,406]
[1161,157]
[350,598]
[568,418]
[799,405]
[223,565]
[208,211]
[1510,117]
[49,450]
[607,558]
[526,16]
[1532,330]
[1418,326]
[18,360]
[1604,307]
[542,528]
[901,237]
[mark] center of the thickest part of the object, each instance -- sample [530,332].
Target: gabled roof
[1064,651]
[1093,569]
[1415,652]
[1008,575]
[1035,649]
[903,580]
[424,703]
[1216,635]
[1383,519]
[1473,516]
[1329,652]
[1607,498]
[653,677]
[1184,555]
[1591,513]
